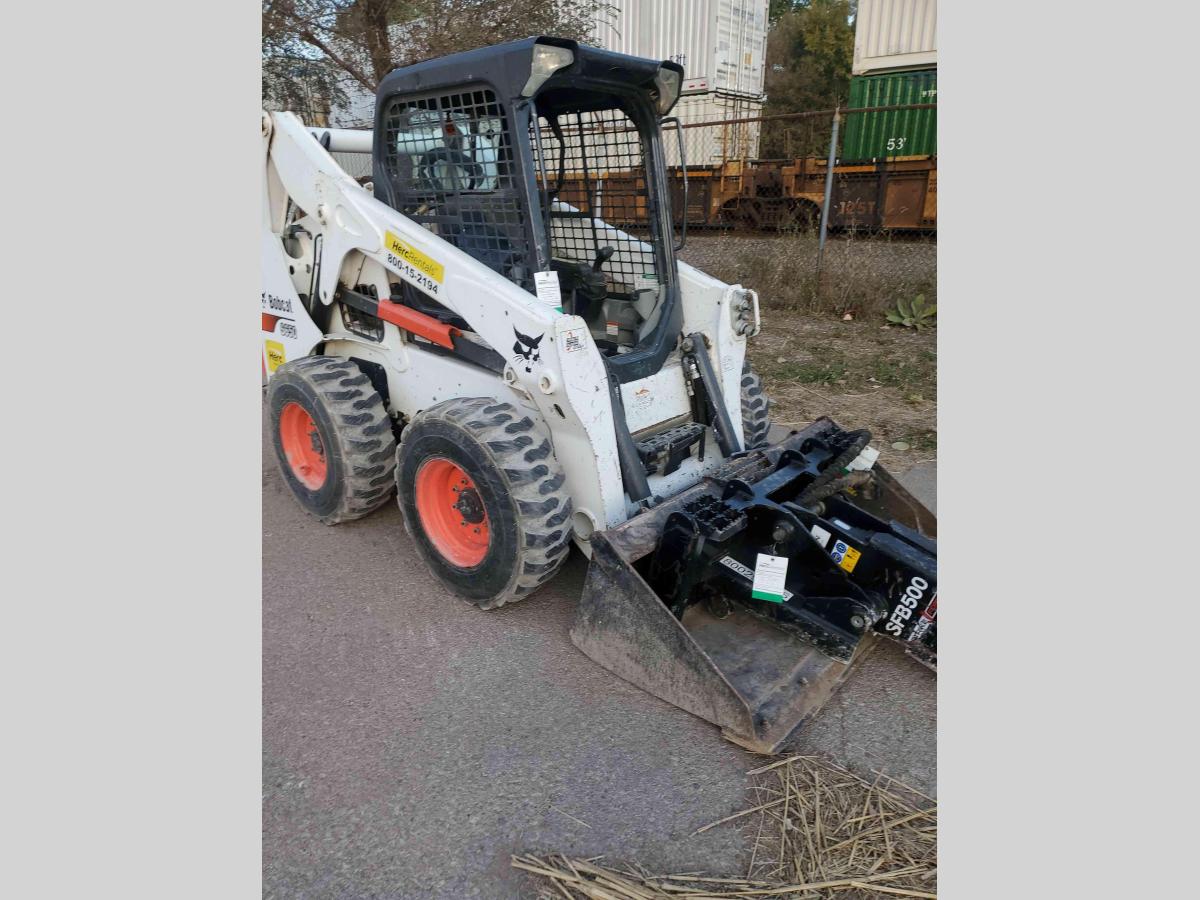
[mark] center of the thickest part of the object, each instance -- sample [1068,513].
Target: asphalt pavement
[412,743]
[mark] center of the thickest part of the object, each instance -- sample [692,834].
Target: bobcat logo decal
[527,350]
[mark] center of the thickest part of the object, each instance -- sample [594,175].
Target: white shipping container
[895,34]
[721,44]
[717,143]
[703,146]
[359,109]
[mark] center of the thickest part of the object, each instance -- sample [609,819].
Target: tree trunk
[374,15]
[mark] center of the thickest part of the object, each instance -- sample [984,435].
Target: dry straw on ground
[816,830]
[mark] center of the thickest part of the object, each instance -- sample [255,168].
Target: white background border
[131,660]
[1067,303]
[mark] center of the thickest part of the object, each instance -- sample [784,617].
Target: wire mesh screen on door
[450,161]
[597,162]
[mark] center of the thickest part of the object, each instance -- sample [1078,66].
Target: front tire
[482,496]
[332,437]
[756,409]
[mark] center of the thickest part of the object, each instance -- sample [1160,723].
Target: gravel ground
[861,374]
[411,742]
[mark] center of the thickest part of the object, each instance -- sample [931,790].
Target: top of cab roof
[507,68]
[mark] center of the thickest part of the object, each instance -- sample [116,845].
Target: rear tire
[332,437]
[482,496]
[756,409]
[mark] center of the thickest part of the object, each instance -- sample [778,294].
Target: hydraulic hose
[836,470]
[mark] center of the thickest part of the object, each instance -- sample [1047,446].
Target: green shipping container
[888,133]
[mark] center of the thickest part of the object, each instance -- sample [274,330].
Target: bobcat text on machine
[497,327]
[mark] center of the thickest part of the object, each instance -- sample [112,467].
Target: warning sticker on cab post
[572,340]
[770,573]
[423,271]
[549,291]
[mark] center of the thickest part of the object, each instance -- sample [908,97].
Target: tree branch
[309,38]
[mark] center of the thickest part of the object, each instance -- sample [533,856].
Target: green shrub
[913,314]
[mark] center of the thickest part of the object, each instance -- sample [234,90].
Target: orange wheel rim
[302,445]
[452,512]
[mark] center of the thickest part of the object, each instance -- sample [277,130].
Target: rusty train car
[898,194]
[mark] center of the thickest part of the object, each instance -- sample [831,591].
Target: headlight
[668,82]
[546,61]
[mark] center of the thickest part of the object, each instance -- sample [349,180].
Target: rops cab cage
[523,156]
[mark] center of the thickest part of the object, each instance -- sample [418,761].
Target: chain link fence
[853,237]
[764,206]
[772,172]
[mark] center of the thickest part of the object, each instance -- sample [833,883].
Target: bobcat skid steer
[495,326]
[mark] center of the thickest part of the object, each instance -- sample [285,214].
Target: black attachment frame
[721,661]
[663,453]
[848,570]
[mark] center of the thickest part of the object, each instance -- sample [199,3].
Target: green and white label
[548,290]
[746,572]
[770,573]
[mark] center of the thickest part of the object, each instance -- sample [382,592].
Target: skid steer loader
[495,325]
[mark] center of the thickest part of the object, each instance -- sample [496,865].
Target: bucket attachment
[748,598]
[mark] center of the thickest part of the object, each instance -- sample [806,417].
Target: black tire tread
[524,459]
[756,409]
[363,431]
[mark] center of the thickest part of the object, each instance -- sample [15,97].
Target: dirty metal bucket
[741,672]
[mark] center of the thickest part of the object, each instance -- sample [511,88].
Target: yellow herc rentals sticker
[275,355]
[423,271]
